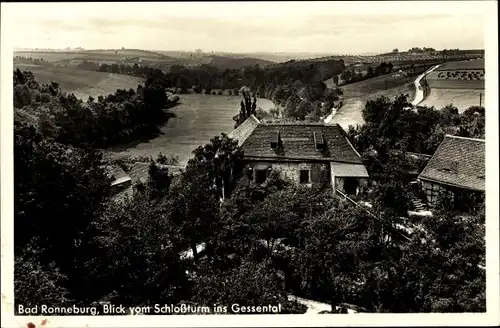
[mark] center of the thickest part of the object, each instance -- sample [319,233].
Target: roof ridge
[255,118]
[464,138]
[295,124]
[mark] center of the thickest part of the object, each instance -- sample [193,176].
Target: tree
[336,80]
[195,197]
[59,194]
[444,261]
[291,106]
[249,284]
[374,110]
[314,92]
[142,265]
[36,284]
[370,72]
[303,109]
[335,244]
[159,178]
[247,109]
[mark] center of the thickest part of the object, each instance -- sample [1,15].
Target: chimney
[319,141]
[454,166]
[275,140]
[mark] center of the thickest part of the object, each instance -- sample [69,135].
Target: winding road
[419,91]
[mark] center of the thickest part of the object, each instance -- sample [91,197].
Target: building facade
[455,171]
[307,153]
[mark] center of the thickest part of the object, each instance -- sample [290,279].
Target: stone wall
[319,173]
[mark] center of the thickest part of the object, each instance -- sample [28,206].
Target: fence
[341,195]
[398,230]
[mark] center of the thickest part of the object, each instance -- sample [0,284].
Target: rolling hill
[145,57]
[82,83]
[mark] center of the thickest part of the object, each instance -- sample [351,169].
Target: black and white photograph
[226,159]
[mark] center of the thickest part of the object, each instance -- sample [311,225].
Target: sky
[315,27]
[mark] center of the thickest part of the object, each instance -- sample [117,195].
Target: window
[260,176]
[432,192]
[275,140]
[250,174]
[304,176]
[319,141]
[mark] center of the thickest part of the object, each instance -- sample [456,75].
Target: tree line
[352,76]
[31,61]
[261,243]
[295,86]
[113,119]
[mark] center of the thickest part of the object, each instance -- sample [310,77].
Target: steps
[418,205]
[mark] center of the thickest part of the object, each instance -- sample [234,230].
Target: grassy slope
[73,58]
[357,94]
[457,65]
[82,83]
[462,94]
[198,118]
[460,98]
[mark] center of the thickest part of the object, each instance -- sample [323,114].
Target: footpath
[419,91]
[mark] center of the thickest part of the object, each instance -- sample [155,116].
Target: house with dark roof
[456,170]
[123,182]
[308,153]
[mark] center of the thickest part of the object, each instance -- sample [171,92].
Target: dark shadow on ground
[147,134]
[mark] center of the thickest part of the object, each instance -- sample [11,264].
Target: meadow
[449,89]
[197,119]
[460,98]
[111,56]
[467,64]
[357,94]
[82,83]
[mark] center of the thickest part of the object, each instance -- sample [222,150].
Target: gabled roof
[458,162]
[296,142]
[242,132]
[139,171]
[117,174]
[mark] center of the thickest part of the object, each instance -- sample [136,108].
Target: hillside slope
[82,83]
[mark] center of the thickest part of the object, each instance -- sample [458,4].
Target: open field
[458,75]
[82,83]
[373,85]
[454,84]
[198,118]
[477,64]
[110,56]
[460,98]
[357,94]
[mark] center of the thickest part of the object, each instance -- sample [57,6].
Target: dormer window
[319,141]
[275,140]
[450,167]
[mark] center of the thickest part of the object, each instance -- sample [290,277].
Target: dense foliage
[259,243]
[256,77]
[117,118]
[396,125]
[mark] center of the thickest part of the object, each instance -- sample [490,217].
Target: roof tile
[459,162]
[297,142]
